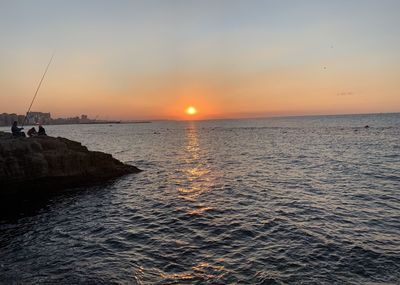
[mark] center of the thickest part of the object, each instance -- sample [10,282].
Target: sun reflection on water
[197,178]
[192,147]
[200,210]
[201,271]
[177,276]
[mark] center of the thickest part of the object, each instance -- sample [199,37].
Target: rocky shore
[49,162]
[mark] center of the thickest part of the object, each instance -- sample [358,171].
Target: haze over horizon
[152,59]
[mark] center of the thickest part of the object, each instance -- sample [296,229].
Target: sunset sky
[153,59]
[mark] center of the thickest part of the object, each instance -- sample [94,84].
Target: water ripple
[280,201]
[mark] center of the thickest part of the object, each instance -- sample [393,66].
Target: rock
[43,162]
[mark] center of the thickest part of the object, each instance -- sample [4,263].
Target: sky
[152,59]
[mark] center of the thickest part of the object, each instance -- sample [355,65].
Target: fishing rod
[37,89]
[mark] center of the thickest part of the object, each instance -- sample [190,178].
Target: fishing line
[37,89]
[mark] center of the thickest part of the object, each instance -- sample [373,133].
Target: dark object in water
[366,127]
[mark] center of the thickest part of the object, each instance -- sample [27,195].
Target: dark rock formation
[48,162]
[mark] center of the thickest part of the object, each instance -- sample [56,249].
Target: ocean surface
[300,200]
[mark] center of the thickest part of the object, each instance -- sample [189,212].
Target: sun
[191,110]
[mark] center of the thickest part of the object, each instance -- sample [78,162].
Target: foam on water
[274,201]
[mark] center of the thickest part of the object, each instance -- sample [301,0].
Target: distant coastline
[35,118]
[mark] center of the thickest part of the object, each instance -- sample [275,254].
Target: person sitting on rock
[17,132]
[42,131]
[32,132]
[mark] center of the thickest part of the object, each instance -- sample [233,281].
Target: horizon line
[267,117]
[230,117]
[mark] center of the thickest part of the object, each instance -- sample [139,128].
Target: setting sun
[191,110]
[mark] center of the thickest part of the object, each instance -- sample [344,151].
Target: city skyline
[130,60]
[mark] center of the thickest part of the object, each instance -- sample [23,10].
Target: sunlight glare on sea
[263,201]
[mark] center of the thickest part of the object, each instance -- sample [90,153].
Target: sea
[295,200]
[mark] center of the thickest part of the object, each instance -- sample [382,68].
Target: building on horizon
[34,118]
[84,119]
[9,119]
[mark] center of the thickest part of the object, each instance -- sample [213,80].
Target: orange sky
[234,60]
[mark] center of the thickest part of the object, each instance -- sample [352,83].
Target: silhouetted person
[17,132]
[42,131]
[32,132]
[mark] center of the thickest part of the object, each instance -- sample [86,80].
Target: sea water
[310,200]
